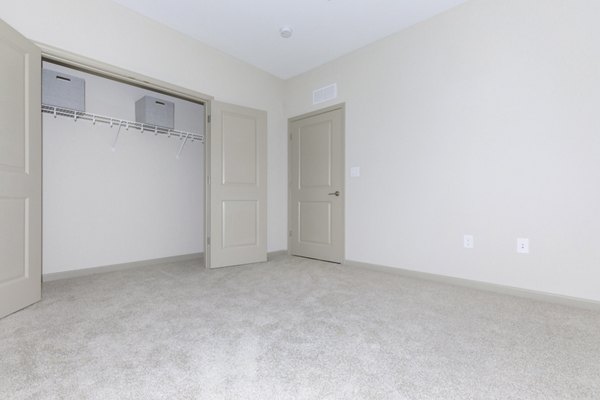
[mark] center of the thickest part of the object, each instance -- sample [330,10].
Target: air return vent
[325,93]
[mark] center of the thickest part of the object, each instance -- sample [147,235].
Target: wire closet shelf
[121,123]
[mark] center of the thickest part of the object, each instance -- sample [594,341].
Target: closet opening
[124,172]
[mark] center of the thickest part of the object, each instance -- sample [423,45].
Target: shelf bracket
[114,145]
[182,145]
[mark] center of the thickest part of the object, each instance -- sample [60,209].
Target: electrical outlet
[468,241]
[523,245]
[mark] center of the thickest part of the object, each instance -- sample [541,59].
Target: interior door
[20,171]
[317,186]
[237,185]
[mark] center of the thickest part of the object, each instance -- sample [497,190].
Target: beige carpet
[292,329]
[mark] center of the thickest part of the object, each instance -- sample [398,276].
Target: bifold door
[20,172]
[237,213]
[238,186]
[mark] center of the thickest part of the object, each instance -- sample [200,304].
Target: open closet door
[20,172]
[238,186]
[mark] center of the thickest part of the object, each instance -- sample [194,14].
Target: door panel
[316,186]
[238,209]
[239,149]
[315,155]
[20,171]
[12,97]
[13,245]
[240,223]
[314,222]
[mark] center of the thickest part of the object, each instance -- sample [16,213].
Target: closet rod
[157,130]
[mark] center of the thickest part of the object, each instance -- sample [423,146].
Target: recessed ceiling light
[286,32]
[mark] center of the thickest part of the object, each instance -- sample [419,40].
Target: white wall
[484,120]
[108,32]
[136,203]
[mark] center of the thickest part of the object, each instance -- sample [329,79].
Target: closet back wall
[136,203]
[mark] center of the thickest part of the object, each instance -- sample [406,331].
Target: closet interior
[123,172]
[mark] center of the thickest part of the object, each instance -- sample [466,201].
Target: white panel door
[238,186]
[317,186]
[20,172]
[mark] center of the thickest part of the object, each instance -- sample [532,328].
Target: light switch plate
[354,172]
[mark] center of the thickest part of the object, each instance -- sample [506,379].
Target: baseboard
[118,267]
[490,287]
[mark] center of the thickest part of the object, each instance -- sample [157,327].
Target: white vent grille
[325,93]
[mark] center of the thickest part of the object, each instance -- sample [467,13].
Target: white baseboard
[490,287]
[118,267]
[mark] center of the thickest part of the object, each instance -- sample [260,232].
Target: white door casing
[317,185]
[238,186]
[20,172]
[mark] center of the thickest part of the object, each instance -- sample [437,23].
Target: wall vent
[325,93]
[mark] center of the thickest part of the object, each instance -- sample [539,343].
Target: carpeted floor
[292,329]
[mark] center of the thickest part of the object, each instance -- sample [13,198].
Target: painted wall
[485,121]
[108,32]
[137,203]
[482,120]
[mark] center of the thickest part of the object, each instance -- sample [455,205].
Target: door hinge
[290,137]
[209,119]
[208,179]
[290,233]
[208,240]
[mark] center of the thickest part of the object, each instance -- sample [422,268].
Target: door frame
[72,60]
[342,108]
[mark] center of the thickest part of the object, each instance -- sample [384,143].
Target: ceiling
[322,29]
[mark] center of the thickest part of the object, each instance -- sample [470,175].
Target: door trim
[77,61]
[342,108]
[96,67]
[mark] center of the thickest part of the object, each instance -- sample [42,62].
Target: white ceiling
[323,29]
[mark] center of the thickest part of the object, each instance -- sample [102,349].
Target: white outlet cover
[469,241]
[354,172]
[523,246]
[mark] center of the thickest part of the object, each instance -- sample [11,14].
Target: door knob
[336,193]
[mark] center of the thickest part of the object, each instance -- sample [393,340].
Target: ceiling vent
[325,93]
